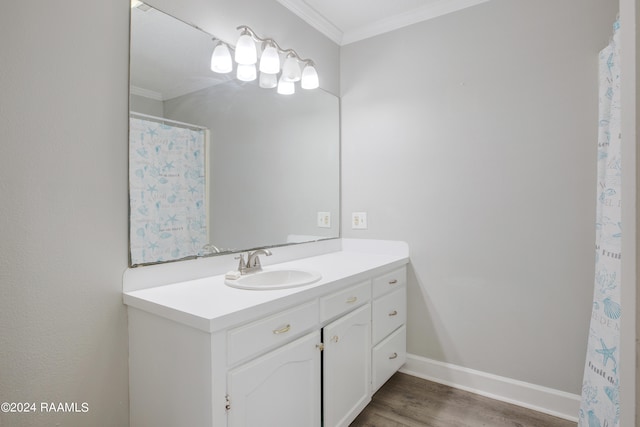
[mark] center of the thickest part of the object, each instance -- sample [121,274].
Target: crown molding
[313,18]
[410,17]
[152,94]
[322,24]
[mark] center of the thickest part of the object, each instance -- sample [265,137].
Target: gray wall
[473,138]
[143,105]
[274,161]
[63,186]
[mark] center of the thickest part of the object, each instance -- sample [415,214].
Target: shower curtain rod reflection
[166,121]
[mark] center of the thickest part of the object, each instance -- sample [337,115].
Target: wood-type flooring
[408,401]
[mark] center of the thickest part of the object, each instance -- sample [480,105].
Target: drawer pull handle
[393,282]
[393,356]
[393,313]
[282,330]
[352,300]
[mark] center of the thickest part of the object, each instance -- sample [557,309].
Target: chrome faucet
[210,248]
[253,262]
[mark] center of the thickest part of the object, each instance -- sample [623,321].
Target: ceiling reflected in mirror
[169,57]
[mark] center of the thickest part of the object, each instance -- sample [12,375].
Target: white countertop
[210,305]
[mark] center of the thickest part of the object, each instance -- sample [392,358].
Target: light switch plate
[324,219]
[359,220]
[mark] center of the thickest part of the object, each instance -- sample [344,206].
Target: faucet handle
[253,261]
[210,248]
[241,264]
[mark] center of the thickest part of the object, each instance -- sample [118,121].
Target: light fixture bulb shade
[246,52]
[286,87]
[268,81]
[270,60]
[309,78]
[221,59]
[246,72]
[291,70]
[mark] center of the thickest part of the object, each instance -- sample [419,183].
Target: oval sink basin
[274,279]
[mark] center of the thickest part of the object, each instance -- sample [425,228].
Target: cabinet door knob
[393,313]
[282,330]
[335,338]
[393,282]
[393,356]
[352,300]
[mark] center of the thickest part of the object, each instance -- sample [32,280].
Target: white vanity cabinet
[282,387]
[312,358]
[389,331]
[346,359]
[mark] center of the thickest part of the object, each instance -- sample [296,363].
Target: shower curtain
[600,404]
[168,211]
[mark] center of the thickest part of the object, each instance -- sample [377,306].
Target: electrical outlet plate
[359,220]
[324,219]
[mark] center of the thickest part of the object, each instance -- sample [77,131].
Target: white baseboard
[543,399]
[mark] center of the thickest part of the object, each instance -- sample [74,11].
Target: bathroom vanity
[203,353]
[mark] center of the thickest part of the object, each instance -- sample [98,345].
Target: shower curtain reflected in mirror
[600,404]
[167,191]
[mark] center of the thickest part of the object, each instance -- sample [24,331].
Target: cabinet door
[347,367]
[281,388]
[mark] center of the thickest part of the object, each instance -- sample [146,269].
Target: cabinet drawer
[389,281]
[255,337]
[389,312]
[388,357]
[344,300]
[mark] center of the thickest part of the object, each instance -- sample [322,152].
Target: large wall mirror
[217,165]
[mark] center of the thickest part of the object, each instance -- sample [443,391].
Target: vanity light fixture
[291,70]
[270,59]
[246,52]
[286,87]
[309,77]
[246,57]
[268,81]
[246,72]
[221,59]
